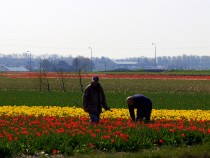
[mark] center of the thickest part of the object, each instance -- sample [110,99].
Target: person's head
[95,80]
[130,101]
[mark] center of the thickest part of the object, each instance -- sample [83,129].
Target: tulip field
[53,124]
[66,130]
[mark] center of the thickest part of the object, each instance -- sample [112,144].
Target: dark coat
[94,99]
[143,106]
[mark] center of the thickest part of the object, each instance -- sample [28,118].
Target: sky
[110,28]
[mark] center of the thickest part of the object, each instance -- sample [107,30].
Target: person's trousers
[145,112]
[94,118]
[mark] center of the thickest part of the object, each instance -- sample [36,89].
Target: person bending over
[143,106]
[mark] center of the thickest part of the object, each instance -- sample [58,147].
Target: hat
[96,78]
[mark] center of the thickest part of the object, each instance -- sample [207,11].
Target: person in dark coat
[143,106]
[94,99]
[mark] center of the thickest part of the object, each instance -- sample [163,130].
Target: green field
[166,72]
[165,94]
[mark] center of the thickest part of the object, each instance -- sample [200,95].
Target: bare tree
[43,78]
[61,78]
[80,81]
[82,63]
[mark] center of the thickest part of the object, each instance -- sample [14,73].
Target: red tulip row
[123,76]
[68,135]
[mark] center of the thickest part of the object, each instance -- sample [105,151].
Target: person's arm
[85,99]
[132,113]
[139,117]
[104,104]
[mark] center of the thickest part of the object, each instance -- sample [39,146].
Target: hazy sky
[112,28]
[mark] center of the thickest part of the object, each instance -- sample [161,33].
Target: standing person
[143,106]
[94,99]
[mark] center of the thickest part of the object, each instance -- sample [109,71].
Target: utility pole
[91,60]
[29,60]
[155,55]
[105,64]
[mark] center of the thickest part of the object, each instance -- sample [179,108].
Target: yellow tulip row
[116,113]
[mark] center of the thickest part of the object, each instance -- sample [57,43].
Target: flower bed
[116,113]
[105,76]
[56,130]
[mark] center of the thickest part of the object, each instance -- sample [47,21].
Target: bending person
[143,106]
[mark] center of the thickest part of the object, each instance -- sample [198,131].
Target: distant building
[6,68]
[126,65]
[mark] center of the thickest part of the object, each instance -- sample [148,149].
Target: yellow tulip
[116,113]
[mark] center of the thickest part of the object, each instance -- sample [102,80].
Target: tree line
[57,63]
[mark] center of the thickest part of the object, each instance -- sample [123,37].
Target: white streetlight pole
[91,59]
[155,54]
[29,60]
